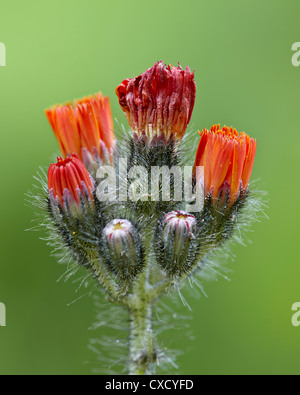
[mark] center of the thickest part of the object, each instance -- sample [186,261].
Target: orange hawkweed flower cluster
[227,157]
[158,105]
[141,245]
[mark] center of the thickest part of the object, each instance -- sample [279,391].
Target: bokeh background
[241,50]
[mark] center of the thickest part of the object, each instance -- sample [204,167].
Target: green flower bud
[175,246]
[123,249]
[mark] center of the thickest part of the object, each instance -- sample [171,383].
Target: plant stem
[160,288]
[104,278]
[142,350]
[142,354]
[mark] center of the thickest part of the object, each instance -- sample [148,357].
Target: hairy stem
[142,350]
[105,279]
[160,288]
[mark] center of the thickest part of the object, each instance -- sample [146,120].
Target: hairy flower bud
[84,128]
[227,158]
[73,208]
[158,104]
[123,249]
[70,184]
[176,250]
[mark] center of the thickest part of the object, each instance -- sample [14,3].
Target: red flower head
[158,104]
[84,127]
[68,180]
[227,158]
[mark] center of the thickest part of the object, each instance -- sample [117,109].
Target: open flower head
[69,182]
[227,157]
[158,104]
[85,128]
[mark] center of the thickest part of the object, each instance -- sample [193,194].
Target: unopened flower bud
[70,185]
[123,249]
[175,252]
[72,206]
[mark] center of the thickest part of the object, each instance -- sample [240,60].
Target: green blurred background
[241,50]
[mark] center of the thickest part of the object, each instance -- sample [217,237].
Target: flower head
[123,248]
[227,157]
[179,222]
[68,181]
[84,128]
[118,230]
[175,247]
[158,104]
